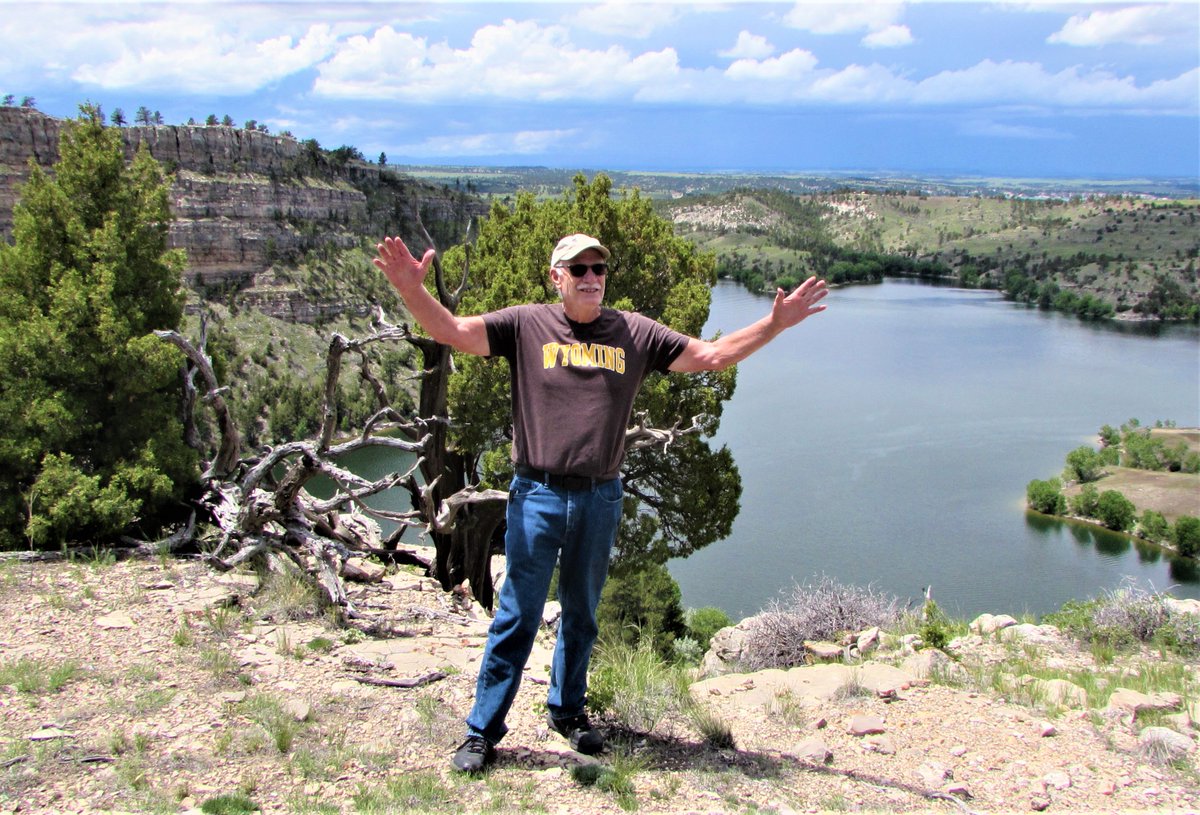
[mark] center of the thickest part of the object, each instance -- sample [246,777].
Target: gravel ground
[156,686]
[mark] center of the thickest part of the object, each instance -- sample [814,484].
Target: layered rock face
[245,200]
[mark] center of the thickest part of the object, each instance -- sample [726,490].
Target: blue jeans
[546,524]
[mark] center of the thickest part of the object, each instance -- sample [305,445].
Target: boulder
[1125,700]
[865,725]
[930,663]
[1184,606]
[1165,744]
[814,750]
[826,651]
[986,624]
[1060,692]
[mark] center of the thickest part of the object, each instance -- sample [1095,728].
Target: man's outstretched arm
[407,276]
[786,311]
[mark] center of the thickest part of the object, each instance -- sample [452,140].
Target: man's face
[581,296]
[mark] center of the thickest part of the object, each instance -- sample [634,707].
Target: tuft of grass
[616,780]
[152,700]
[182,635]
[852,688]
[715,731]
[229,805]
[435,719]
[333,756]
[269,713]
[223,621]
[788,708]
[131,770]
[410,792]
[95,557]
[635,686]
[507,795]
[217,660]
[35,677]
[320,645]
[287,596]
[301,804]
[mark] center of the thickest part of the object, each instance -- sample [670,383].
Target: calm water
[888,441]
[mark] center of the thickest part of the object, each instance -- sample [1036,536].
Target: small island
[1142,481]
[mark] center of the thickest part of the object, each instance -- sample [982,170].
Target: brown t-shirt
[573,384]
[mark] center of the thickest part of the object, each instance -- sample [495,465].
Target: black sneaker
[474,755]
[579,732]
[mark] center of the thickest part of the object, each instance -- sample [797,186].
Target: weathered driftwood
[415,682]
[257,506]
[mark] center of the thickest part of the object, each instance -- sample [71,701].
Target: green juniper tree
[680,497]
[90,439]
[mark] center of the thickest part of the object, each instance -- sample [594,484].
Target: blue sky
[1007,88]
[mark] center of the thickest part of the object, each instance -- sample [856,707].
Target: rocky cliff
[245,201]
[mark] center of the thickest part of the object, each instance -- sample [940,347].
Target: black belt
[564,482]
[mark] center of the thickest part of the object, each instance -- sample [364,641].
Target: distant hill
[498,182]
[1096,256]
[1097,248]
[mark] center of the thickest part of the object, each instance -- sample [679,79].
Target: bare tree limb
[640,436]
[415,682]
[227,455]
[454,504]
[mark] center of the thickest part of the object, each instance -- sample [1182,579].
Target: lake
[888,442]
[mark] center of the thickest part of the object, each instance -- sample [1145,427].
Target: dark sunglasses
[580,269]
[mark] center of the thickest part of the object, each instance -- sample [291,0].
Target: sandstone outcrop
[245,201]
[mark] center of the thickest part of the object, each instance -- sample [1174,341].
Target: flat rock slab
[412,657]
[816,682]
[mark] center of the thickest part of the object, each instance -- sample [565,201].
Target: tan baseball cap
[573,245]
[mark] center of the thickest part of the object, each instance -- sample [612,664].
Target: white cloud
[627,19]
[1135,25]
[749,46]
[187,59]
[527,62]
[1008,82]
[893,36]
[794,65]
[525,142]
[843,18]
[513,61]
[993,129]
[184,48]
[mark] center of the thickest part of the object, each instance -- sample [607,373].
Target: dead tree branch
[227,456]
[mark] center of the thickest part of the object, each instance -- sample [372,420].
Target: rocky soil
[157,686]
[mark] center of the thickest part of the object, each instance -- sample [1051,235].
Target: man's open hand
[400,267]
[804,301]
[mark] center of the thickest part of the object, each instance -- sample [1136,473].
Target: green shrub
[1125,617]
[1186,535]
[1115,511]
[703,623]
[1087,503]
[1046,497]
[642,605]
[935,626]
[1154,527]
[1083,464]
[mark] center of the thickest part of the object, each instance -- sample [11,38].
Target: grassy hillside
[1136,255]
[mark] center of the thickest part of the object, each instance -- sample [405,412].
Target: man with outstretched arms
[575,368]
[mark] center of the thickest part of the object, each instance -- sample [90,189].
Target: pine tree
[90,439]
